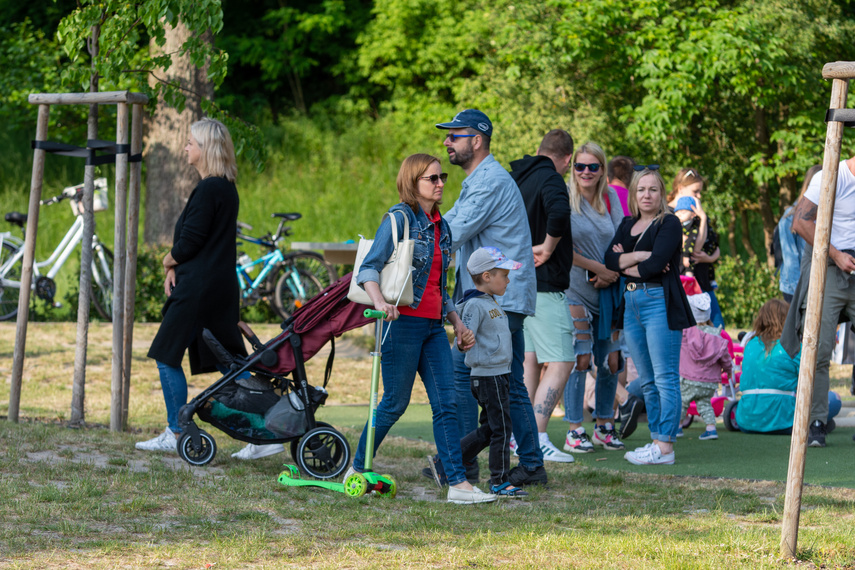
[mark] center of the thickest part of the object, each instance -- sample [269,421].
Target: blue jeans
[174,385]
[715,311]
[606,385]
[522,413]
[418,345]
[655,350]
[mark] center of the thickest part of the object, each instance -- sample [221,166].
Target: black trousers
[494,430]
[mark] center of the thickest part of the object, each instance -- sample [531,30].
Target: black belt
[632,285]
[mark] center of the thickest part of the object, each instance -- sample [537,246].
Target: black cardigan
[664,240]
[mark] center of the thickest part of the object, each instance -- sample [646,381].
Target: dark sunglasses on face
[452,137]
[580,167]
[640,167]
[435,178]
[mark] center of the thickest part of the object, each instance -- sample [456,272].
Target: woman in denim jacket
[417,341]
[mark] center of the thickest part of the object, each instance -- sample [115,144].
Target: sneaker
[577,441]
[551,453]
[607,437]
[350,471]
[709,434]
[513,445]
[252,451]
[816,435]
[435,471]
[164,442]
[521,476]
[475,496]
[628,414]
[649,455]
[679,432]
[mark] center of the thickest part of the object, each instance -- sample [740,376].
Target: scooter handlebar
[374,314]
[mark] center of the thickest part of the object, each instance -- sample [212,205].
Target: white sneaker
[650,455]
[252,451]
[164,442]
[551,453]
[350,471]
[476,495]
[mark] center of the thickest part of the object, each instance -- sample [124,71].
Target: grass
[84,498]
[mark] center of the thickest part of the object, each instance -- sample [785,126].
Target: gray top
[493,352]
[592,233]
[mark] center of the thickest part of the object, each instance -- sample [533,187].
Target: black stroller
[276,404]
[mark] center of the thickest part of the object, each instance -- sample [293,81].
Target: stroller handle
[374,314]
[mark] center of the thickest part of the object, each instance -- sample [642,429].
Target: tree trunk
[169,179]
[764,198]
[745,235]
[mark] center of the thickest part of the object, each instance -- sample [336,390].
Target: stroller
[257,401]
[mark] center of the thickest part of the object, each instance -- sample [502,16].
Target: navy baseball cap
[470,118]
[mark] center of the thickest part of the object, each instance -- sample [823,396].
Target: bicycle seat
[290,217]
[16,218]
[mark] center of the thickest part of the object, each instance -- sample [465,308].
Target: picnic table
[334,252]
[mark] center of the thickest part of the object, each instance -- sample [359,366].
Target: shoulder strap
[608,202]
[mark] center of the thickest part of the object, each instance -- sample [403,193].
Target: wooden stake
[121,211]
[27,269]
[810,338]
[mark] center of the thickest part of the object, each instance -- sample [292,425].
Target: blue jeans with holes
[174,385]
[420,345]
[606,385]
[655,350]
[522,413]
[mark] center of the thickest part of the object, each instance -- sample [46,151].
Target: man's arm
[471,215]
[804,224]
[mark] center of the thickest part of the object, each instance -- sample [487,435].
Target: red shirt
[430,306]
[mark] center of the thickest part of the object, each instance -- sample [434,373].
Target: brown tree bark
[731,234]
[761,131]
[169,179]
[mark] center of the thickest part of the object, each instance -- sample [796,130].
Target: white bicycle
[44,286]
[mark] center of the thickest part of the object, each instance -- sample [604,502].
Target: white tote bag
[396,279]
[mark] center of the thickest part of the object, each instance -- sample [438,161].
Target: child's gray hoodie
[492,353]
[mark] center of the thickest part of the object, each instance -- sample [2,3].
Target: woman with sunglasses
[595,213]
[416,339]
[646,250]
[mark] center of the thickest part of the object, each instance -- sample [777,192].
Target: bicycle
[44,286]
[291,279]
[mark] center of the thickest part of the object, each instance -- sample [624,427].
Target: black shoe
[816,436]
[521,476]
[628,414]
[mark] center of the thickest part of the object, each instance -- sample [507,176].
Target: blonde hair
[633,193]
[769,323]
[218,151]
[599,203]
[411,169]
[686,177]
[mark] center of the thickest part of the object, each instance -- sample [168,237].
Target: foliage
[149,295]
[743,287]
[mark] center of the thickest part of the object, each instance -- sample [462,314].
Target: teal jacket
[768,386]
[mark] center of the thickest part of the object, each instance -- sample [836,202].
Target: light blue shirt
[792,249]
[490,212]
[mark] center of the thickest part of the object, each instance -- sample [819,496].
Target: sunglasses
[640,167]
[435,178]
[580,167]
[452,137]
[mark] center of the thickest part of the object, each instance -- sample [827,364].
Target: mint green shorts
[549,333]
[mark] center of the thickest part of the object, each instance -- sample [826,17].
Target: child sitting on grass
[703,357]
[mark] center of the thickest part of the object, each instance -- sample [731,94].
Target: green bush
[149,296]
[743,287]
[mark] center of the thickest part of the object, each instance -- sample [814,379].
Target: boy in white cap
[703,357]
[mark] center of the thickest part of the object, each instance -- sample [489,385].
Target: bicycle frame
[247,285]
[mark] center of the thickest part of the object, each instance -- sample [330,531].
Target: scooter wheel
[356,485]
[199,457]
[291,472]
[392,491]
[730,416]
[323,453]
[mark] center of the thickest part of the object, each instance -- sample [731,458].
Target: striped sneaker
[577,441]
[607,437]
[551,453]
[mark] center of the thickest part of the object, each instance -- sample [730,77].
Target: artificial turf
[734,455]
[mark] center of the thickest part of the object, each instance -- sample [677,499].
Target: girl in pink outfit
[703,357]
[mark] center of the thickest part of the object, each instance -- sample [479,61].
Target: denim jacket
[792,248]
[422,232]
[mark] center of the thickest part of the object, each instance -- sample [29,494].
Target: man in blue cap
[490,212]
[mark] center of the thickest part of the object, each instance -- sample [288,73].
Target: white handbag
[396,279]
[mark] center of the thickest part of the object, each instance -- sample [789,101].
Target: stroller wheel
[323,453]
[204,455]
[730,416]
[296,442]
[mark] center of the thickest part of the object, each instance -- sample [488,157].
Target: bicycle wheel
[10,281]
[315,264]
[101,286]
[295,287]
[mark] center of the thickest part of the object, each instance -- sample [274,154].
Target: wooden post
[810,338]
[119,240]
[131,263]
[27,269]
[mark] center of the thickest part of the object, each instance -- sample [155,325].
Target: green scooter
[357,484]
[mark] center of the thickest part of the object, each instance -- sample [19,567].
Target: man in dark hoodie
[548,334]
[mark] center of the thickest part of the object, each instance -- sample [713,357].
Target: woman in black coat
[201,284]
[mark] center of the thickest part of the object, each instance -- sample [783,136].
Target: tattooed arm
[804,224]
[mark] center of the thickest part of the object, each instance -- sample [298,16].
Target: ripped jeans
[585,342]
